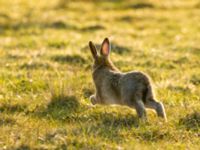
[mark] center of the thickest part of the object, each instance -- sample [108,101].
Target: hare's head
[102,59]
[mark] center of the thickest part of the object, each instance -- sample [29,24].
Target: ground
[45,75]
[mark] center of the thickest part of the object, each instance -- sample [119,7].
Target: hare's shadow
[60,107]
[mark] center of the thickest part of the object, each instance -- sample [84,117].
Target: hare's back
[135,80]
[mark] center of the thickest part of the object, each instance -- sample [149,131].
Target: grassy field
[45,73]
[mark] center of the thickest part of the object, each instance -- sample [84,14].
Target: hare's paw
[161,111]
[93,99]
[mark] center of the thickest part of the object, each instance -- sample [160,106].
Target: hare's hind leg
[157,106]
[135,101]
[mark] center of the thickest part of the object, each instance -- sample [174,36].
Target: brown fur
[114,87]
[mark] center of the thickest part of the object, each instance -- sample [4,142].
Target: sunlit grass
[45,75]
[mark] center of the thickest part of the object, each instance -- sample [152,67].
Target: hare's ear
[105,47]
[93,50]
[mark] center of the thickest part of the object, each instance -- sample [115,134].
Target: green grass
[45,75]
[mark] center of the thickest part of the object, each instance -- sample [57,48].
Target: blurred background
[150,23]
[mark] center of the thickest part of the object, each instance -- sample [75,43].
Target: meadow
[45,73]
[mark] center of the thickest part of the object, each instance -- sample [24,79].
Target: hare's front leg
[93,99]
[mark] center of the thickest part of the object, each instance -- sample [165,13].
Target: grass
[45,75]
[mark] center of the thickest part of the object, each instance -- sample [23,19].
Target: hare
[132,89]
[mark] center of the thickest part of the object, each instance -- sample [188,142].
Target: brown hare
[132,89]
